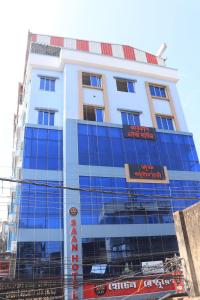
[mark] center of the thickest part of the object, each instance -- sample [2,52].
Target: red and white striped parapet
[115,50]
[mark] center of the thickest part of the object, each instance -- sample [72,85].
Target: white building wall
[117,100]
[162,107]
[45,99]
[92,96]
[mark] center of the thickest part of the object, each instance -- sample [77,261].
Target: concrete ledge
[40,235]
[126,230]
[35,174]
[118,172]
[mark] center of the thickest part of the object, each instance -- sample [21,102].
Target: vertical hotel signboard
[74,259]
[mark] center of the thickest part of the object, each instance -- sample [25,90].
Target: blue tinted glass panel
[130,119]
[99,115]
[47,84]
[137,120]
[157,91]
[162,92]
[170,124]
[42,83]
[42,207]
[152,90]
[100,146]
[51,121]
[124,118]
[46,118]
[131,87]
[159,122]
[40,117]
[52,85]
[99,208]
[42,252]
[40,146]
[164,123]
[93,80]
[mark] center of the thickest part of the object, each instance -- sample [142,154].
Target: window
[91,80]
[129,118]
[46,117]
[47,84]
[158,91]
[124,85]
[93,113]
[165,123]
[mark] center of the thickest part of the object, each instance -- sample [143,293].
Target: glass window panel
[93,80]
[157,91]
[162,92]
[124,118]
[170,124]
[47,84]
[53,85]
[152,90]
[99,82]
[136,119]
[131,87]
[89,113]
[165,123]
[122,85]
[51,121]
[130,119]
[86,79]
[159,122]
[46,118]
[42,83]
[40,117]
[99,115]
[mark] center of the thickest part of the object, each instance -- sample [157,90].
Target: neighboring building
[187,224]
[3,235]
[75,99]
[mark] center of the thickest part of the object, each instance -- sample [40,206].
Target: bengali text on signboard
[145,171]
[139,132]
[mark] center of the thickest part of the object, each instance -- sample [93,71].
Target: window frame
[98,79]
[95,108]
[42,113]
[169,117]
[133,113]
[127,81]
[51,80]
[159,86]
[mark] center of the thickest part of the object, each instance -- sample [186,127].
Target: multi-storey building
[100,130]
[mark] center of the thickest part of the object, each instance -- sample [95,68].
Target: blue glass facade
[40,206]
[43,149]
[141,204]
[106,146]
[118,254]
[37,260]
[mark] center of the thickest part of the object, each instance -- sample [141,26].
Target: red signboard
[145,171]
[139,132]
[131,287]
[4,268]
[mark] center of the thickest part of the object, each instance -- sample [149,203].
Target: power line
[92,190]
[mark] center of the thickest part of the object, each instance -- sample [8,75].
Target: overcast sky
[144,24]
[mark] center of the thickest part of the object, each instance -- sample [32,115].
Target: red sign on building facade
[74,256]
[131,287]
[145,171]
[139,132]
